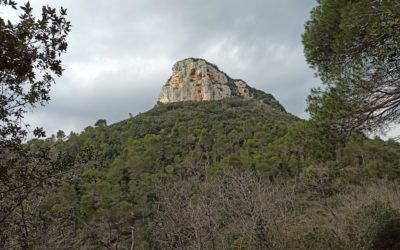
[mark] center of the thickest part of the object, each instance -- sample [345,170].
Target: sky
[120,53]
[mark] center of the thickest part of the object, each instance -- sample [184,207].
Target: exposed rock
[198,80]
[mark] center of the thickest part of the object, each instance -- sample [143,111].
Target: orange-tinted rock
[198,80]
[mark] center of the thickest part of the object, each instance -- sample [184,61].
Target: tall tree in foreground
[30,51]
[29,60]
[355,48]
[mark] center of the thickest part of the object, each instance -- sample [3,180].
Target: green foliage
[30,59]
[127,170]
[266,98]
[60,135]
[30,50]
[354,45]
[100,123]
[230,174]
[376,226]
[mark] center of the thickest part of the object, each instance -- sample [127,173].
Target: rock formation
[198,80]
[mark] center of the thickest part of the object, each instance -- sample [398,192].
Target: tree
[101,123]
[60,135]
[30,51]
[355,48]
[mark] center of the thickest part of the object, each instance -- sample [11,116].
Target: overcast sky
[121,53]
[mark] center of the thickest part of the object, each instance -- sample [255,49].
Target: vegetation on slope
[230,174]
[224,174]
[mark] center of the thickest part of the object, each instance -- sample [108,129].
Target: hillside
[231,173]
[206,133]
[215,164]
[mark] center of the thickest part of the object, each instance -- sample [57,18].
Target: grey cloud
[121,53]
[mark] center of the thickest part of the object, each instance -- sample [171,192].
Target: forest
[228,174]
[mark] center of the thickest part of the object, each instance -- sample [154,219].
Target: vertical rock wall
[199,80]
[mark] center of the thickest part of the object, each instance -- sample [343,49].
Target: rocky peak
[198,80]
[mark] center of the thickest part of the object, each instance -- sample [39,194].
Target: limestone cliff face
[198,80]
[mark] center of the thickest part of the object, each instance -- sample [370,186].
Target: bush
[321,238]
[377,226]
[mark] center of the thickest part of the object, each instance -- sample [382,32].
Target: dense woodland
[229,174]
[233,174]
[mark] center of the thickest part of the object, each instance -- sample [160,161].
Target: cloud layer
[121,53]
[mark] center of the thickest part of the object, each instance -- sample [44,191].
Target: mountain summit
[195,79]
